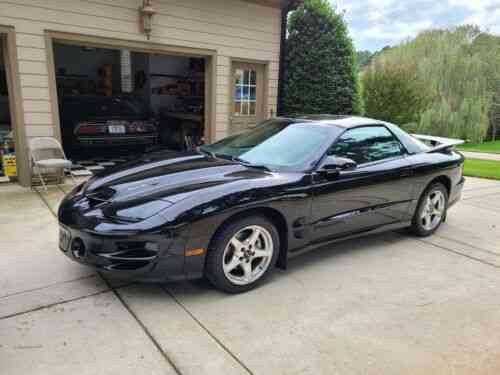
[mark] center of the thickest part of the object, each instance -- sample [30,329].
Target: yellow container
[9,165]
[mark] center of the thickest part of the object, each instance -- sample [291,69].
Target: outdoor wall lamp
[147,12]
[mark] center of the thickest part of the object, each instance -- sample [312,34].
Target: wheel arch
[273,215]
[447,184]
[443,179]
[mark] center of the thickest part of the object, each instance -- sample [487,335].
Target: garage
[152,74]
[117,103]
[7,144]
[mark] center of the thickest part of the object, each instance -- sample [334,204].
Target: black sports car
[242,206]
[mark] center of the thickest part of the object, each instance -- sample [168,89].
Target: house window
[245,95]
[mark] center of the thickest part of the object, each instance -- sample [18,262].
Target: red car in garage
[106,121]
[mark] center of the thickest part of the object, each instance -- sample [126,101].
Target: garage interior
[116,104]
[7,149]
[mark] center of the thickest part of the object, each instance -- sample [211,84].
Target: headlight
[140,212]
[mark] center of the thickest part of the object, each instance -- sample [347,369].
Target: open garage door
[116,104]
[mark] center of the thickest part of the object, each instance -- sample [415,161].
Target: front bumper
[154,257]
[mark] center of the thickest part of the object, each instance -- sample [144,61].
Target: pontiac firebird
[237,209]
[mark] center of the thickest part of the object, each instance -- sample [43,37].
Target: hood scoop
[101,195]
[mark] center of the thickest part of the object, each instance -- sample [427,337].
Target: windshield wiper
[248,164]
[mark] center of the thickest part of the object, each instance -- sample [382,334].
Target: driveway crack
[212,335]
[468,245]
[144,328]
[49,286]
[45,202]
[54,304]
[459,253]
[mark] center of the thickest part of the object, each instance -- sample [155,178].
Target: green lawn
[491,147]
[482,168]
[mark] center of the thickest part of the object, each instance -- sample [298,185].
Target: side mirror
[333,165]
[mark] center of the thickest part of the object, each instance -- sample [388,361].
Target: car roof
[344,121]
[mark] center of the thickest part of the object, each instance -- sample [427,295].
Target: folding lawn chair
[47,153]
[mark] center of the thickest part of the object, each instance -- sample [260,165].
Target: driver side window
[367,144]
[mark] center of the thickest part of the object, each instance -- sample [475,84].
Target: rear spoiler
[438,143]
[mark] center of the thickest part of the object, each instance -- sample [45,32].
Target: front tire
[242,254]
[431,210]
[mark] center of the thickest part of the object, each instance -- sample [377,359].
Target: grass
[489,147]
[482,168]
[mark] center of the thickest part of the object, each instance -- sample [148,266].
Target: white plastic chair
[47,153]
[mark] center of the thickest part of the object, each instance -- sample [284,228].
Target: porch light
[146,17]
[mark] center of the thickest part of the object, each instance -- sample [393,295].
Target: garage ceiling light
[146,17]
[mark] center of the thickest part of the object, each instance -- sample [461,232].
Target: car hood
[166,176]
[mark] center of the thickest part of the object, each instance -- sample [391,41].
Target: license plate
[116,129]
[64,238]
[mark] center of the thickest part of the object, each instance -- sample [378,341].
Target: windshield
[277,144]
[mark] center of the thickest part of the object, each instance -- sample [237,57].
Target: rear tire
[431,210]
[242,254]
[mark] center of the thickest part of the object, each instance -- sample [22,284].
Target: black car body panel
[138,220]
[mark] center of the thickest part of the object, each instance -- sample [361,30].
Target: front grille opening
[128,266]
[132,245]
[133,251]
[136,254]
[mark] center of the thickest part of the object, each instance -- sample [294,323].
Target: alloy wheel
[248,255]
[433,210]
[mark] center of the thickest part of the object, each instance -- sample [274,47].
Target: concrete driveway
[387,304]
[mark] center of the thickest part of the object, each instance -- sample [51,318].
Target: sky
[374,24]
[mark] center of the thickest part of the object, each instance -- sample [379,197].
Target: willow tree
[321,72]
[395,93]
[460,69]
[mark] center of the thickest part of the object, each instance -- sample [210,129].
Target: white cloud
[376,23]
[397,32]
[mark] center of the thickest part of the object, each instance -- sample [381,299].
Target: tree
[394,93]
[459,69]
[321,72]
[488,46]
[363,58]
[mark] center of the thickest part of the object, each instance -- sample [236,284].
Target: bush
[394,93]
[321,71]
